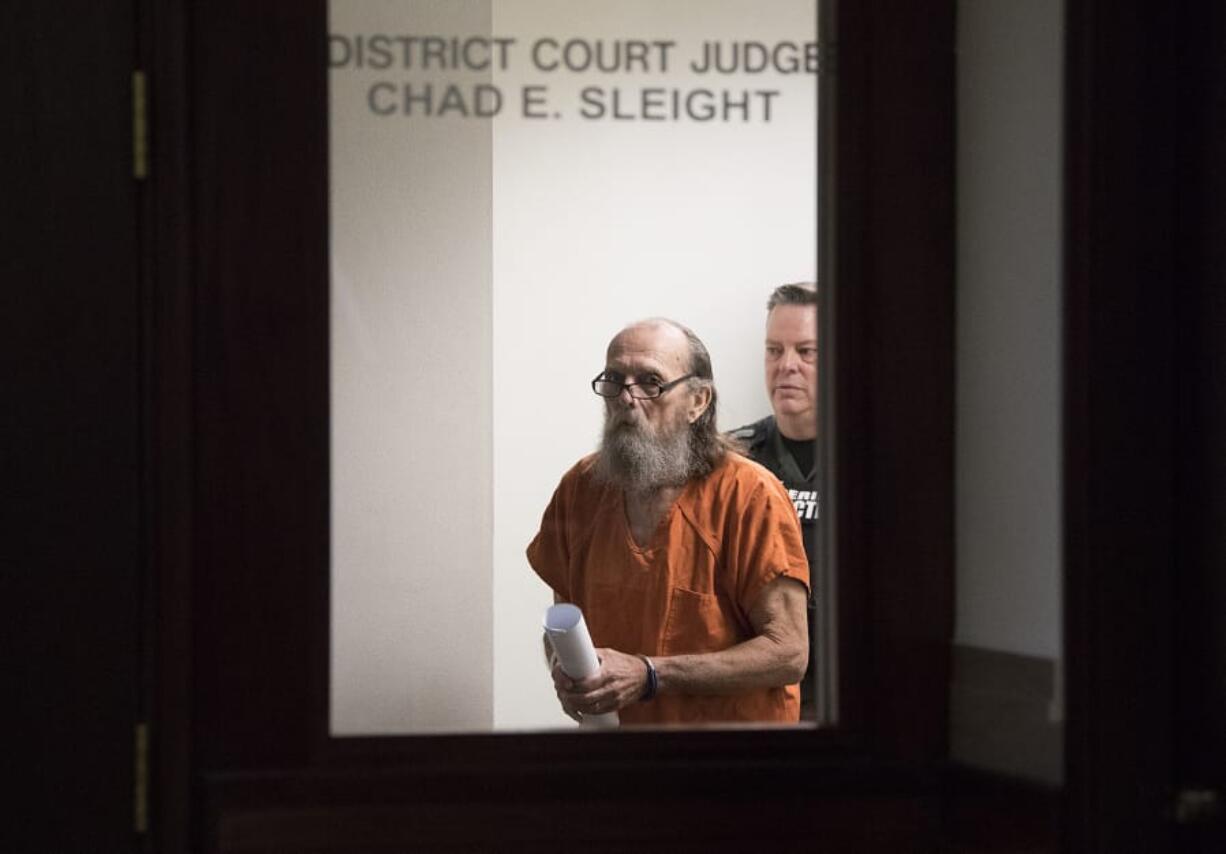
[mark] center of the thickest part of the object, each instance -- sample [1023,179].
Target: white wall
[1010,64]
[411,409]
[480,268]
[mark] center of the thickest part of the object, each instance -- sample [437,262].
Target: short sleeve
[549,552]
[763,541]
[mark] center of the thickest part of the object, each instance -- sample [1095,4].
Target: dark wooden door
[1145,472]
[253,576]
[1199,807]
[72,471]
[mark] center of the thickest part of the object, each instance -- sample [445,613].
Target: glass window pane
[512,182]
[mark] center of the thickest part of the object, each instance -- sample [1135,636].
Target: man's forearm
[776,655]
[760,662]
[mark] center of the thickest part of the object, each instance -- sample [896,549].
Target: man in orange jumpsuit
[686,557]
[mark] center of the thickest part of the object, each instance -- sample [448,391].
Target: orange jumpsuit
[689,590]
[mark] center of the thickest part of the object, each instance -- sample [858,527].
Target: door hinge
[140,779]
[140,125]
[1197,806]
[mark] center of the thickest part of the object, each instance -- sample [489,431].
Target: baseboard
[1001,715]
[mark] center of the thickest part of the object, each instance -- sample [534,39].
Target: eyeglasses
[606,385]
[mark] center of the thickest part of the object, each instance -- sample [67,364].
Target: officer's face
[791,363]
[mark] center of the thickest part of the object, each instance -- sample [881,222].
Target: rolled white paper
[567,633]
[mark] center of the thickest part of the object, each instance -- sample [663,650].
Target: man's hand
[620,681]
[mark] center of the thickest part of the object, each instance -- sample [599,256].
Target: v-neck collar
[658,534]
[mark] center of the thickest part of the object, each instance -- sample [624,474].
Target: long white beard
[633,459]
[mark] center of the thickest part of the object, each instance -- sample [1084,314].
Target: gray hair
[796,293]
[708,445]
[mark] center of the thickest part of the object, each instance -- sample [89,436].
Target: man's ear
[700,399]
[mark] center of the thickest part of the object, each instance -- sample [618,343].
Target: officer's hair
[708,444]
[796,293]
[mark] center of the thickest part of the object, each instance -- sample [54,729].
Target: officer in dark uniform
[786,442]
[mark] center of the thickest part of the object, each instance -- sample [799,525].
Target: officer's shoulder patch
[751,434]
[744,433]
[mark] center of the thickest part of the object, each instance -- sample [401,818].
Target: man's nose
[790,361]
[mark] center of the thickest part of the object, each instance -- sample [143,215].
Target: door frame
[244,755]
